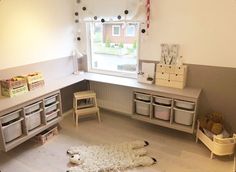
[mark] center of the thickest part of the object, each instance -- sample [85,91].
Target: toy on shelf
[211,132]
[14,86]
[146,74]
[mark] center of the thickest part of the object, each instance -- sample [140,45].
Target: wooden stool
[90,106]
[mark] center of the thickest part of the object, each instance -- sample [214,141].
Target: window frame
[113,31]
[125,74]
[126,32]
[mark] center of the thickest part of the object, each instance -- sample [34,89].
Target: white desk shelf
[44,94]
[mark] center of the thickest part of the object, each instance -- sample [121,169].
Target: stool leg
[98,113]
[99,118]
[212,155]
[76,119]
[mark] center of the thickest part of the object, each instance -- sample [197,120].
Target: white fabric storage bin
[162,100]
[183,116]
[142,96]
[32,108]
[12,131]
[51,108]
[142,108]
[161,112]
[33,120]
[50,100]
[184,104]
[11,116]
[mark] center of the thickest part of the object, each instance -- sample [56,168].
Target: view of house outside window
[114,47]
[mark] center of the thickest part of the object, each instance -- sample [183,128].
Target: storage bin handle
[11,114]
[40,110]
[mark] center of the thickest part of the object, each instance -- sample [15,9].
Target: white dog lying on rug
[109,157]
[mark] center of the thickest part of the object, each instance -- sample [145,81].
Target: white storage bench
[26,120]
[172,108]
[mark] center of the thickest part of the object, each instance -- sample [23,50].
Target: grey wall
[218,90]
[67,94]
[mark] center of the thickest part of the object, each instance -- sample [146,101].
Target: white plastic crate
[12,131]
[184,104]
[142,96]
[183,116]
[32,108]
[161,112]
[33,120]
[52,116]
[11,116]
[51,108]
[142,108]
[162,100]
[50,100]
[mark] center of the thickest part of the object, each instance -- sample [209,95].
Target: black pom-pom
[84,8]
[119,17]
[126,12]
[78,39]
[102,20]
[143,30]
[76,13]
[76,21]
[95,17]
[72,156]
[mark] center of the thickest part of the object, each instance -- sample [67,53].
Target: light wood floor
[175,151]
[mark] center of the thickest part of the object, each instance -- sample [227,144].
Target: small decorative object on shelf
[35,80]
[14,86]
[171,72]
[146,74]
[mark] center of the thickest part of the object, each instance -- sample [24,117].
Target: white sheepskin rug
[105,158]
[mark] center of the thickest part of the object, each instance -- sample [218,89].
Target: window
[115,30]
[108,54]
[130,30]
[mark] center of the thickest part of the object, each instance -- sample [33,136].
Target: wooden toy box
[35,80]
[217,146]
[14,86]
[47,135]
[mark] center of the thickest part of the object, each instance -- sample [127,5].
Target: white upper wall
[39,30]
[35,30]
[205,29]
